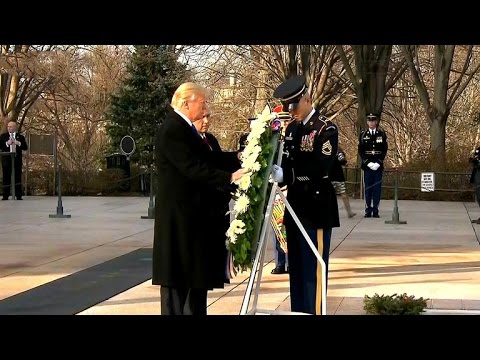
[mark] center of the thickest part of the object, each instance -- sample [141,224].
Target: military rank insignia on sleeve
[327,148]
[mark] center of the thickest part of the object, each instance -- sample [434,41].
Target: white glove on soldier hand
[375,166]
[277,173]
[371,165]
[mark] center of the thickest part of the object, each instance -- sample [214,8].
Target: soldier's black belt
[306,178]
[373,152]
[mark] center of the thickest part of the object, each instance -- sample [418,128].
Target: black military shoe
[279,270]
[367,215]
[376,215]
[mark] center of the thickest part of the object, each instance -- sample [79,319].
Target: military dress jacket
[372,148]
[476,164]
[309,151]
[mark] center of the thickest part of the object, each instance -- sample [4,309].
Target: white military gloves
[373,166]
[277,173]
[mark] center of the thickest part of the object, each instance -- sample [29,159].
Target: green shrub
[394,304]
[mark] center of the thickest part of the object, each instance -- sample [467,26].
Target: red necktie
[206,142]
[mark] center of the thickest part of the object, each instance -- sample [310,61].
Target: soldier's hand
[375,166]
[370,165]
[277,173]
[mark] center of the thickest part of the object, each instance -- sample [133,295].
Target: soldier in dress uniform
[475,177]
[311,142]
[372,147]
[338,180]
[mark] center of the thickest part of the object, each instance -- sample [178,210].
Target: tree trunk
[371,66]
[360,121]
[292,61]
[261,98]
[437,136]
[361,112]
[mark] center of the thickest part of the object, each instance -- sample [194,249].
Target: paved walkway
[436,255]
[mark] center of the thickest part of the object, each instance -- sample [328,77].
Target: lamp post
[60,214]
[395,214]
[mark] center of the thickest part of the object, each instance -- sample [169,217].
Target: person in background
[338,180]
[475,177]
[279,238]
[372,147]
[12,141]
[242,141]
[280,248]
[219,197]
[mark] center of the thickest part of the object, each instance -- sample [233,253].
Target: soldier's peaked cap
[291,90]
[373,116]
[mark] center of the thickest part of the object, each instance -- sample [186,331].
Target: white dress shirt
[13,147]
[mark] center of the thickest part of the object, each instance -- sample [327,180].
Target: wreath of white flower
[253,159]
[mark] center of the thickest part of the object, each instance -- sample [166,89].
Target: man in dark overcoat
[183,251]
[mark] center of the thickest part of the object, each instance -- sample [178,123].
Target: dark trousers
[373,190]
[281,260]
[305,270]
[175,301]
[7,179]
[477,186]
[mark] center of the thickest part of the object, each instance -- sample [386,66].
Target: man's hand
[18,143]
[10,142]
[277,173]
[238,174]
[371,165]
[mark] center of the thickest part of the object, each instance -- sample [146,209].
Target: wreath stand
[257,267]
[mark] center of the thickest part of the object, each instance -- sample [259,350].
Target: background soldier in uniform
[311,142]
[475,177]
[372,147]
[338,180]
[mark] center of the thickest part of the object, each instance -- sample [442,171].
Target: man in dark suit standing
[184,255]
[219,197]
[12,141]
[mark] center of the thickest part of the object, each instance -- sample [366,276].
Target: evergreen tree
[143,100]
